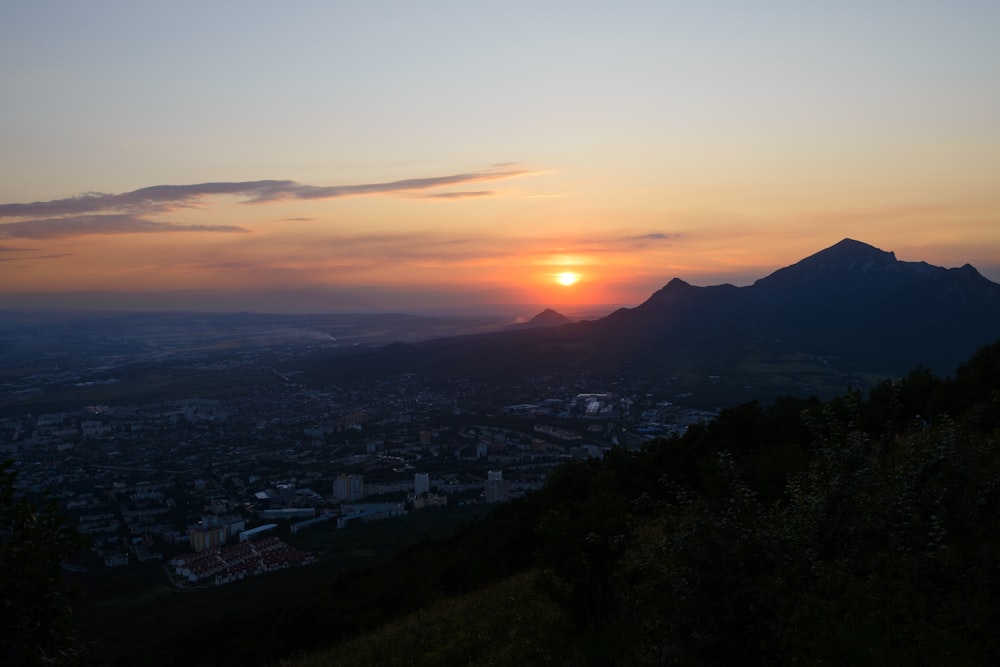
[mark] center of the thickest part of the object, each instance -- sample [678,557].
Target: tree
[34,540]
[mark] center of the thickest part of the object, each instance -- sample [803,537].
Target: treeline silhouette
[861,530]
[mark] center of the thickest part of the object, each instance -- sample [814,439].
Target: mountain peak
[549,315]
[854,253]
[846,259]
[546,318]
[672,292]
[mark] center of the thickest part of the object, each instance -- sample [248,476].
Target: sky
[421,156]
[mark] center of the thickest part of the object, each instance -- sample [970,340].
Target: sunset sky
[421,155]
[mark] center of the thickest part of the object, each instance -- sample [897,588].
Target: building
[429,500]
[288,513]
[369,512]
[234,524]
[355,418]
[497,488]
[349,487]
[116,559]
[208,534]
[421,483]
[253,533]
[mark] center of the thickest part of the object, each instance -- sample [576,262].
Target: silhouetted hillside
[863,530]
[842,316]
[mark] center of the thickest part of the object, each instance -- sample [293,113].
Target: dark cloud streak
[655,236]
[458,195]
[113,223]
[296,191]
[18,259]
[127,213]
[168,197]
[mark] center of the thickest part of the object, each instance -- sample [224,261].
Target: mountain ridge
[845,315]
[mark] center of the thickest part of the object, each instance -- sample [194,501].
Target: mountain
[546,318]
[845,316]
[851,300]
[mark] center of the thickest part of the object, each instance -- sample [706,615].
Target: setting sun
[567,278]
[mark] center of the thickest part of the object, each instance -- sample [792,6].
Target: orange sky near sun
[505,246]
[458,154]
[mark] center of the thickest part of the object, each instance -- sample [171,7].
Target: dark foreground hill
[863,530]
[843,317]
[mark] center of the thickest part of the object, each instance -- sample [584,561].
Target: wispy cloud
[128,213]
[169,197]
[389,250]
[457,195]
[296,191]
[112,223]
[612,244]
[151,199]
[17,259]
[655,236]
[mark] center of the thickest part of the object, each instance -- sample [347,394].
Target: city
[164,480]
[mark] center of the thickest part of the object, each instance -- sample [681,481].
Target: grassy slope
[507,623]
